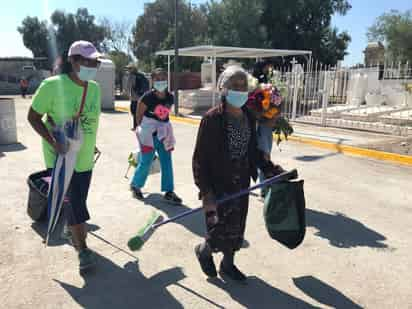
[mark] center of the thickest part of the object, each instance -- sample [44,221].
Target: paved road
[356,252]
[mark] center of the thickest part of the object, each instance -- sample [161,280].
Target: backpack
[284,213]
[141,84]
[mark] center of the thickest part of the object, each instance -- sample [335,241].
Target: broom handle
[281,177]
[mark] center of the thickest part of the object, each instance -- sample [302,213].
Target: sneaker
[232,272]
[206,263]
[137,194]
[87,259]
[171,197]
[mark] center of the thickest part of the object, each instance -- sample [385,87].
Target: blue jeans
[265,143]
[265,138]
[145,162]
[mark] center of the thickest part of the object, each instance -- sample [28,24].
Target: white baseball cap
[84,49]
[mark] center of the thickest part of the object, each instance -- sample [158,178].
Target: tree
[72,27]
[51,40]
[116,44]
[154,30]
[117,35]
[236,23]
[151,29]
[120,60]
[333,46]
[295,24]
[280,24]
[394,29]
[35,36]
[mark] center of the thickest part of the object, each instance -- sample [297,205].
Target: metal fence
[377,99]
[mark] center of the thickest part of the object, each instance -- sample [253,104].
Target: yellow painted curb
[122,109]
[344,149]
[356,151]
[185,120]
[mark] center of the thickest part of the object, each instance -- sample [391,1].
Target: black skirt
[228,234]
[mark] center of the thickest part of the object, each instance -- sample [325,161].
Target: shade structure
[215,52]
[232,52]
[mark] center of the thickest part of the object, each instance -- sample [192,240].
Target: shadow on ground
[193,223]
[110,111]
[316,158]
[259,294]
[342,231]
[56,239]
[324,293]
[12,148]
[111,286]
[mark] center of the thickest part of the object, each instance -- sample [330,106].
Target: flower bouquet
[265,101]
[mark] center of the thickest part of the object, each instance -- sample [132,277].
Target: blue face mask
[86,73]
[237,98]
[160,85]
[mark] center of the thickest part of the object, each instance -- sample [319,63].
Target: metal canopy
[232,52]
[215,52]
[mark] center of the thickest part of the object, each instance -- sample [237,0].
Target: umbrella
[69,134]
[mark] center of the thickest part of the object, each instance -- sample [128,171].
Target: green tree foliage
[236,23]
[280,24]
[70,27]
[50,40]
[35,36]
[117,35]
[154,30]
[120,60]
[306,24]
[394,29]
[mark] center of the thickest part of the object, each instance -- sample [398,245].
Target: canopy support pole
[168,71]
[214,79]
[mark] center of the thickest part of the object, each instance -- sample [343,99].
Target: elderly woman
[226,157]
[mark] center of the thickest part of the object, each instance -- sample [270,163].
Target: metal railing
[376,99]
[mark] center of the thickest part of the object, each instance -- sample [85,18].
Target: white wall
[106,78]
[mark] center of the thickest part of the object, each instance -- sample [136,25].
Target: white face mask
[160,85]
[87,73]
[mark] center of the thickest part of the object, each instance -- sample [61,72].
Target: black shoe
[263,193]
[137,194]
[206,263]
[87,260]
[171,197]
[232,272]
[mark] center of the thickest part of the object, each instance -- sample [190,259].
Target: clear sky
[356,22]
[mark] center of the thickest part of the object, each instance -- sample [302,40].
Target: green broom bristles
[136,243]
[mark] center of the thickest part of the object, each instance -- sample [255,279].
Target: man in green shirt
[57,100]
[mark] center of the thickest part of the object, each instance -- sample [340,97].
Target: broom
[156,220]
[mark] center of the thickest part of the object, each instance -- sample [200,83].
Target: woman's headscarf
[227,75]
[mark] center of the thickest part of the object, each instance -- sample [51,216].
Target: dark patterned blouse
[238,136]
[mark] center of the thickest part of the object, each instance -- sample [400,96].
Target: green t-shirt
[60,98]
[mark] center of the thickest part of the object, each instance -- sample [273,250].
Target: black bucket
[37,202]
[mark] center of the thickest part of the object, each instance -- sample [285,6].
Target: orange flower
[272,112]
[266,100]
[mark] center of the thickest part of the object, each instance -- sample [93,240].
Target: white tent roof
[232,52]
